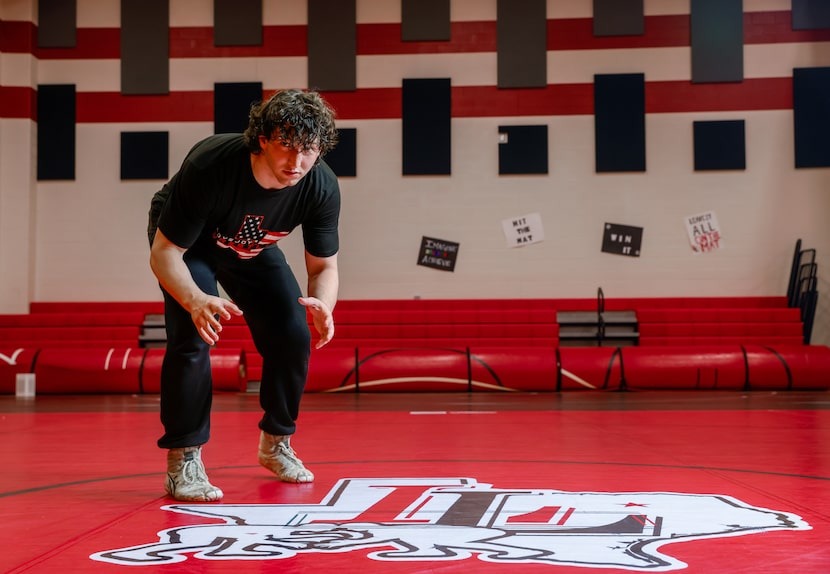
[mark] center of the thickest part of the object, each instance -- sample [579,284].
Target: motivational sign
[622,239]
[704,232]
[523,230]
[438,253]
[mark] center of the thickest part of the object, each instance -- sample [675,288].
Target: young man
[219,219]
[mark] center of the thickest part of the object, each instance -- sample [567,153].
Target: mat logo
[436,519]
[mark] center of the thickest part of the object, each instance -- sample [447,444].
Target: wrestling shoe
[186,476]
[276,454]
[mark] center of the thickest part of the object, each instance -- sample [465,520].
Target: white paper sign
[704,232]
[523,230]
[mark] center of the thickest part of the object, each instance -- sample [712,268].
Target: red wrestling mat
[704,483]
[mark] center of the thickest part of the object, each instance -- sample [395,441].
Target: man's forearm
[324,286]
[174,276]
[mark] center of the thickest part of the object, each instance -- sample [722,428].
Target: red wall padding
[372,369]
[13,361]
[726,367]
[716,367]
[587,368]
[799,367]
[228,369]
[62,371]
[513,369]
[403,369]
[68,370]
[331,369]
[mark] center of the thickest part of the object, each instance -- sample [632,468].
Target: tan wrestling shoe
[276,454]
[186,477]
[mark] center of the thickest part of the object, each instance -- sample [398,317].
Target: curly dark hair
[302,119]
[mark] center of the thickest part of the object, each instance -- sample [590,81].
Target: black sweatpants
[266,290]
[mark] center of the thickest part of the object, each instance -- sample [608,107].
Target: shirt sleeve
[320,230]
[188,208]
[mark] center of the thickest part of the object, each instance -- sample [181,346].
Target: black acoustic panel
[232,105]
[144,155]
[618,18]
[237,22]
[811,116]
[56,132]
[620,122]
[145,47]
[332,45]
[426,116]
[343,158]
[523,150]
[425,20]
[521,43]
[717,36]
[57,22]
[720,145]
[811,14]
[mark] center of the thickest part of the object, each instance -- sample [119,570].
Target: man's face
[288,164]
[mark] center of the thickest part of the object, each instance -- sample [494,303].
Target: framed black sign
[622,239]
[438,253]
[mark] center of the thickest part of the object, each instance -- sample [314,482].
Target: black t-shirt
[214,199]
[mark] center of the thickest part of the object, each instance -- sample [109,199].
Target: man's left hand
[322,317]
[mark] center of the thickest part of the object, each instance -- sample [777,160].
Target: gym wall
[649,111]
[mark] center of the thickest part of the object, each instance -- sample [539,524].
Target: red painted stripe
[751,94]
[553,100]
[90,44]
[277,41]
[674,30]
[17,37]
[578,34]
[467,101]
[375,39]
[367,103]
[18,102]
[777,28]
[95,107]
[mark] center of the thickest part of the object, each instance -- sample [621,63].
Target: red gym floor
[700,482]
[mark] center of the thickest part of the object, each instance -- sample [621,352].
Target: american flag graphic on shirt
[250,239]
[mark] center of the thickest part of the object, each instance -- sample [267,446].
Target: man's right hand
[208,313]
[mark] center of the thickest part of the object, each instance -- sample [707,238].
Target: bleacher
[436,345]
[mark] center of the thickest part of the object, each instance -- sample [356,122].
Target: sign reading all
[704,232]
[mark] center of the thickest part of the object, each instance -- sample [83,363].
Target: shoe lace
[193,470]
[288,452]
